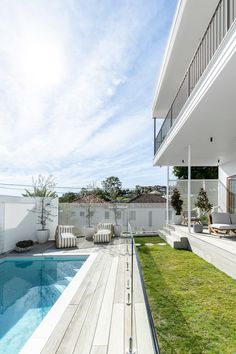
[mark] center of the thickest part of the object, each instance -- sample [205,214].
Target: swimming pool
[29,288]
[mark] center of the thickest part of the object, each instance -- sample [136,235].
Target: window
[132,215]
[81,213]
[150,218]
[107,215]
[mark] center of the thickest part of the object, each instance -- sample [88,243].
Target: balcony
[219,25]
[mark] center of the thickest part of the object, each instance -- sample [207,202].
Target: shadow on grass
[173,331]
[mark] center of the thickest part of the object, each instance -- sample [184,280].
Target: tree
[176,201]
[203,202]
[100,193]
[43,189]
[210,172]
[138,190]
[68,197]
[112,187]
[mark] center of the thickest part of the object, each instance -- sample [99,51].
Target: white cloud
[76,85]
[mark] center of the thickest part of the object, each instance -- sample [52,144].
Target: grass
[193,304]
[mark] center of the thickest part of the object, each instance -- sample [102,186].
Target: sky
[77,82]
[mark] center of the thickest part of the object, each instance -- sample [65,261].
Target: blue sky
[77,80]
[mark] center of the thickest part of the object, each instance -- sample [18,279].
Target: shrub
[25,243]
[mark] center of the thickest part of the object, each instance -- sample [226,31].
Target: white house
[196,94]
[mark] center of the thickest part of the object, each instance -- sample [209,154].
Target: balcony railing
[219,25]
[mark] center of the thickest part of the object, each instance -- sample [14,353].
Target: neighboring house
[195,94]
[148,198]
[146,211]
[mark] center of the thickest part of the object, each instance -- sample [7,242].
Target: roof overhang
[190,23]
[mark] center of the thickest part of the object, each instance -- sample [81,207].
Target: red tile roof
[148,198]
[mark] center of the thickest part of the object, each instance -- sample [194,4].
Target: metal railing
[131,255]
[219,25]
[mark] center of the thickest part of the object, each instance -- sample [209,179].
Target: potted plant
[117,227]
[204,207]
[112,187]
[23,246]
[43,191]
[89,228]
[177,204]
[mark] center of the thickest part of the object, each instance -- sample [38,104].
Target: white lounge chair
[104,233]
[65,237]
[222,222]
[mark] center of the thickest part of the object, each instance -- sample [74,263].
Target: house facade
[194,109]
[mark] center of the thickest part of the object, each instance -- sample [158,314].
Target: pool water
[28,290]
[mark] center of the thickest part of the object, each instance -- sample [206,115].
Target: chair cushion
[67,235]
[221,218]
[233,218]
[224,226]
[102,236]
[105,226]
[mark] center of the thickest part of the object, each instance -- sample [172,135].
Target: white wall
[211,186]
[18,222]
[146,216]
[225,170]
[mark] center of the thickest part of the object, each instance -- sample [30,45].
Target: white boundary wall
[18,222]
[141,216]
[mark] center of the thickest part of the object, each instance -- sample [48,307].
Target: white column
[189,188]
[167,197]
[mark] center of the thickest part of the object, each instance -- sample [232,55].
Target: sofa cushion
[233,218]
[224,226]
[221,218]
[67,235]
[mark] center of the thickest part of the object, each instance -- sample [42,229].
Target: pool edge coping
[42,333]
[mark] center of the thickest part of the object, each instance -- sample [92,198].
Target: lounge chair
[64,237]
[104,234]
[222,222]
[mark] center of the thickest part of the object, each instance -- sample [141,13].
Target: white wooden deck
[97,320]
[221,252]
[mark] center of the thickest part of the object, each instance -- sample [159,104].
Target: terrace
[98,317]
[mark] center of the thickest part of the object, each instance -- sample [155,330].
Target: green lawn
[193,304]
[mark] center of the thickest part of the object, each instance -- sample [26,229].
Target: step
[174,239]
[171,227]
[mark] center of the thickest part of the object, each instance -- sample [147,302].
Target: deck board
[144,340]
[85,339]
[103,326]
[74,329]
[99,349]
[97,319]
[116,340]
[55,339]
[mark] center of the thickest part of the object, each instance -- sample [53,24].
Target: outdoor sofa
[222,222]
[194,218]
[104,234]
[65,237]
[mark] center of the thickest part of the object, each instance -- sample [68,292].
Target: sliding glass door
[231,187]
